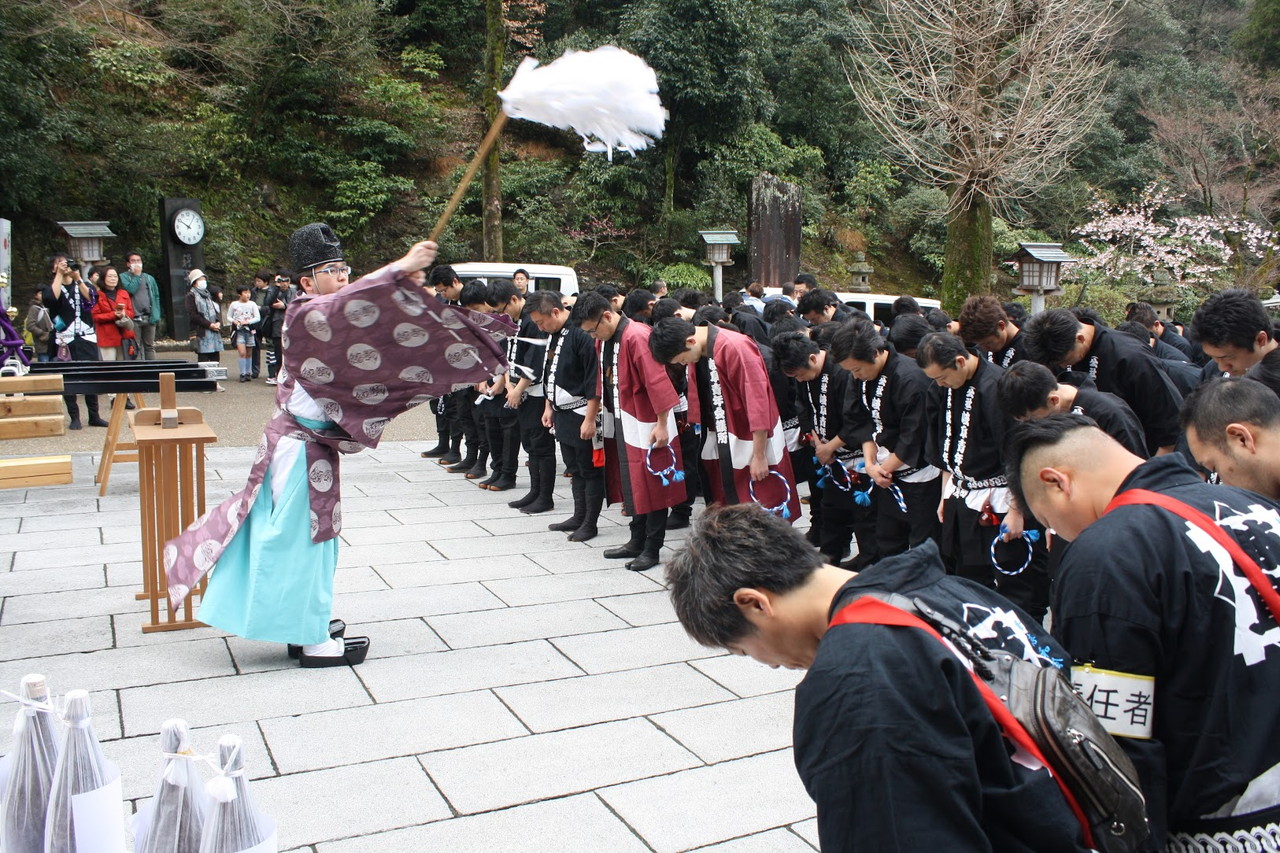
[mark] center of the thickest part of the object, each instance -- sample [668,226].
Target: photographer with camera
[70,300]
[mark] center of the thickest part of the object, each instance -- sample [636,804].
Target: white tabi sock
[334,647]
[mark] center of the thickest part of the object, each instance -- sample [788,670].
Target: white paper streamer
[607,96]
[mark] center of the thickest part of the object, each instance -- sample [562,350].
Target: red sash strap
[873,611]
[1246,563]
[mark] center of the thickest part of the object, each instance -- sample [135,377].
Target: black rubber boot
[535,482]
[466,463]
[573,522]
[544,468]
[634,545]
[655,535]
[454,454]
[480,469]
[594,501]
[509,461]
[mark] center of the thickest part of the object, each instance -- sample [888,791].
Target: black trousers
[502,431]
[966,548]
[649,531]
[577,453]
[897,531]
[841,521]
[534,437]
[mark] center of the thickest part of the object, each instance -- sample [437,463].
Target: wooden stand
[171,496]
[31,408]
[115,451]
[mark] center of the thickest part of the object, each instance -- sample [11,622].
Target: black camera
[73,265]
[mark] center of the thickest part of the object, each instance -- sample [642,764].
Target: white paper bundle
[27,772]
[86,813]
[608,96]
[174,819]
[234,824]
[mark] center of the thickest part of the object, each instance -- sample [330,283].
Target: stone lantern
[861,272]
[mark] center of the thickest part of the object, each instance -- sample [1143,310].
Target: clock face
[188,226]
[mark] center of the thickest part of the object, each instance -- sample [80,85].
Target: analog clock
[188,226]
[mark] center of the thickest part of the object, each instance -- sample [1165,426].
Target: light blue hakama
[273,583]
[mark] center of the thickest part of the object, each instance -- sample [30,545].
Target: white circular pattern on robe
[233,510]
[350,446]
[262,451]
[332,411]
[320,475]
[206,554]
[418,400]
[417,373]
[317,326]
[170,556]
[315,524]
[461,356]
[373,427]
[284,340]
[451,319]
[371,394]
[253,493]
[316,371]
[363,357]
[337,516]
[409,335]
[408,302]
[361,313]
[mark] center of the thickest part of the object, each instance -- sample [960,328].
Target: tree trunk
[495,50]
[968,263]
[668,190]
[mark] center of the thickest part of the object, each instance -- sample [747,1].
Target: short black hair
[690,298]
[1136,330]
[1025,387]
[788,288]
[732,548]
[608,291]
[502,291]
[129,254]
[655,285]
[521,270]
[263,274]
[637,301]
[669,338]
[1016,312]
[442,275]
[938,318]
[786,323]
[816,301]
[809,280]
[1050,335]
[286,274]
[664,308]
[1215,404]
[980,318]
[474,292]
[732,300]
[1231,318]
[240,288]
[1026,436]
[543,301]
[590,306]
[859,340]
[1142,312]
[776,310]
[711,315]
[791,351]
[940,349]
[907,331]
[906,305]
[1084,312]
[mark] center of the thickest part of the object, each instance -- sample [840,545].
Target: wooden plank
[35,471]
[45,404]
[38,426]
[30,384]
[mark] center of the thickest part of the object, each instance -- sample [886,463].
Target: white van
[879,306]
[544,276]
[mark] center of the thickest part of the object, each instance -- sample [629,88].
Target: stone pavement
[522,693]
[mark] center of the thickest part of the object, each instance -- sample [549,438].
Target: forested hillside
[364,113]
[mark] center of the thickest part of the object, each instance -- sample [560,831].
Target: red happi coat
[631,398]
[749,405]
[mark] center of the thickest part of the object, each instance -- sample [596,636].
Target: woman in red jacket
[113,316]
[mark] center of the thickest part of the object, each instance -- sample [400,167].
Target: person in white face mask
[205,317]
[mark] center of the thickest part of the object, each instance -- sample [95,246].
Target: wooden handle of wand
[467,176]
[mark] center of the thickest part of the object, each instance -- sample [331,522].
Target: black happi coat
[578,368]
[894,742]
[1011,354]
[529,359]
[984,438]
[1121,365]
[841,403]
[904,410]
[1141,592]
[1113,416]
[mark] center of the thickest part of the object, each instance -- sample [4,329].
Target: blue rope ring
[897,496]
[670,474]
[1030,537]
[862,497]
[827,474]
[783,508]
